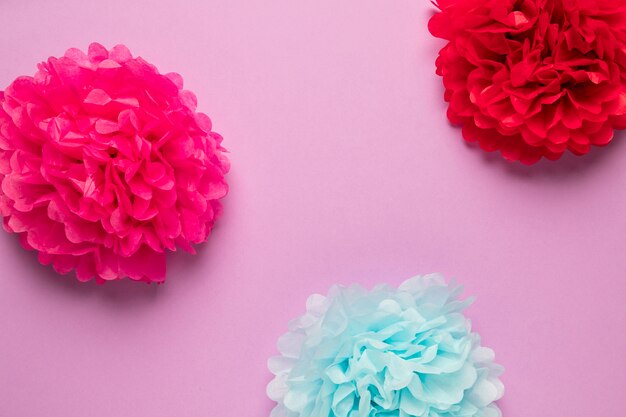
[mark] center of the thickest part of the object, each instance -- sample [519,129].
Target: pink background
[344,170]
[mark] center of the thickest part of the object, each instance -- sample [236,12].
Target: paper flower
[405,352]
[534,78]
[105,164]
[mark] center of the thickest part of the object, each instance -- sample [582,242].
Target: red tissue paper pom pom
[105,164]
[534,78]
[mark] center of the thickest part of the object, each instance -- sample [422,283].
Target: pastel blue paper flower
[406,352]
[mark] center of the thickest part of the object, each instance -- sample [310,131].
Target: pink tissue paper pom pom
[105,164]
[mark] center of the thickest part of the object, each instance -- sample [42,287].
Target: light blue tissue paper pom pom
[406,352]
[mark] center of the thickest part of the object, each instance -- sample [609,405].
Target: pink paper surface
[344,169]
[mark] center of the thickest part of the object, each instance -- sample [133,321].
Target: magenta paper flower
[105,165]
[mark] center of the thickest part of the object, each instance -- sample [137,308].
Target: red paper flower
[105,165]
[534,78]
